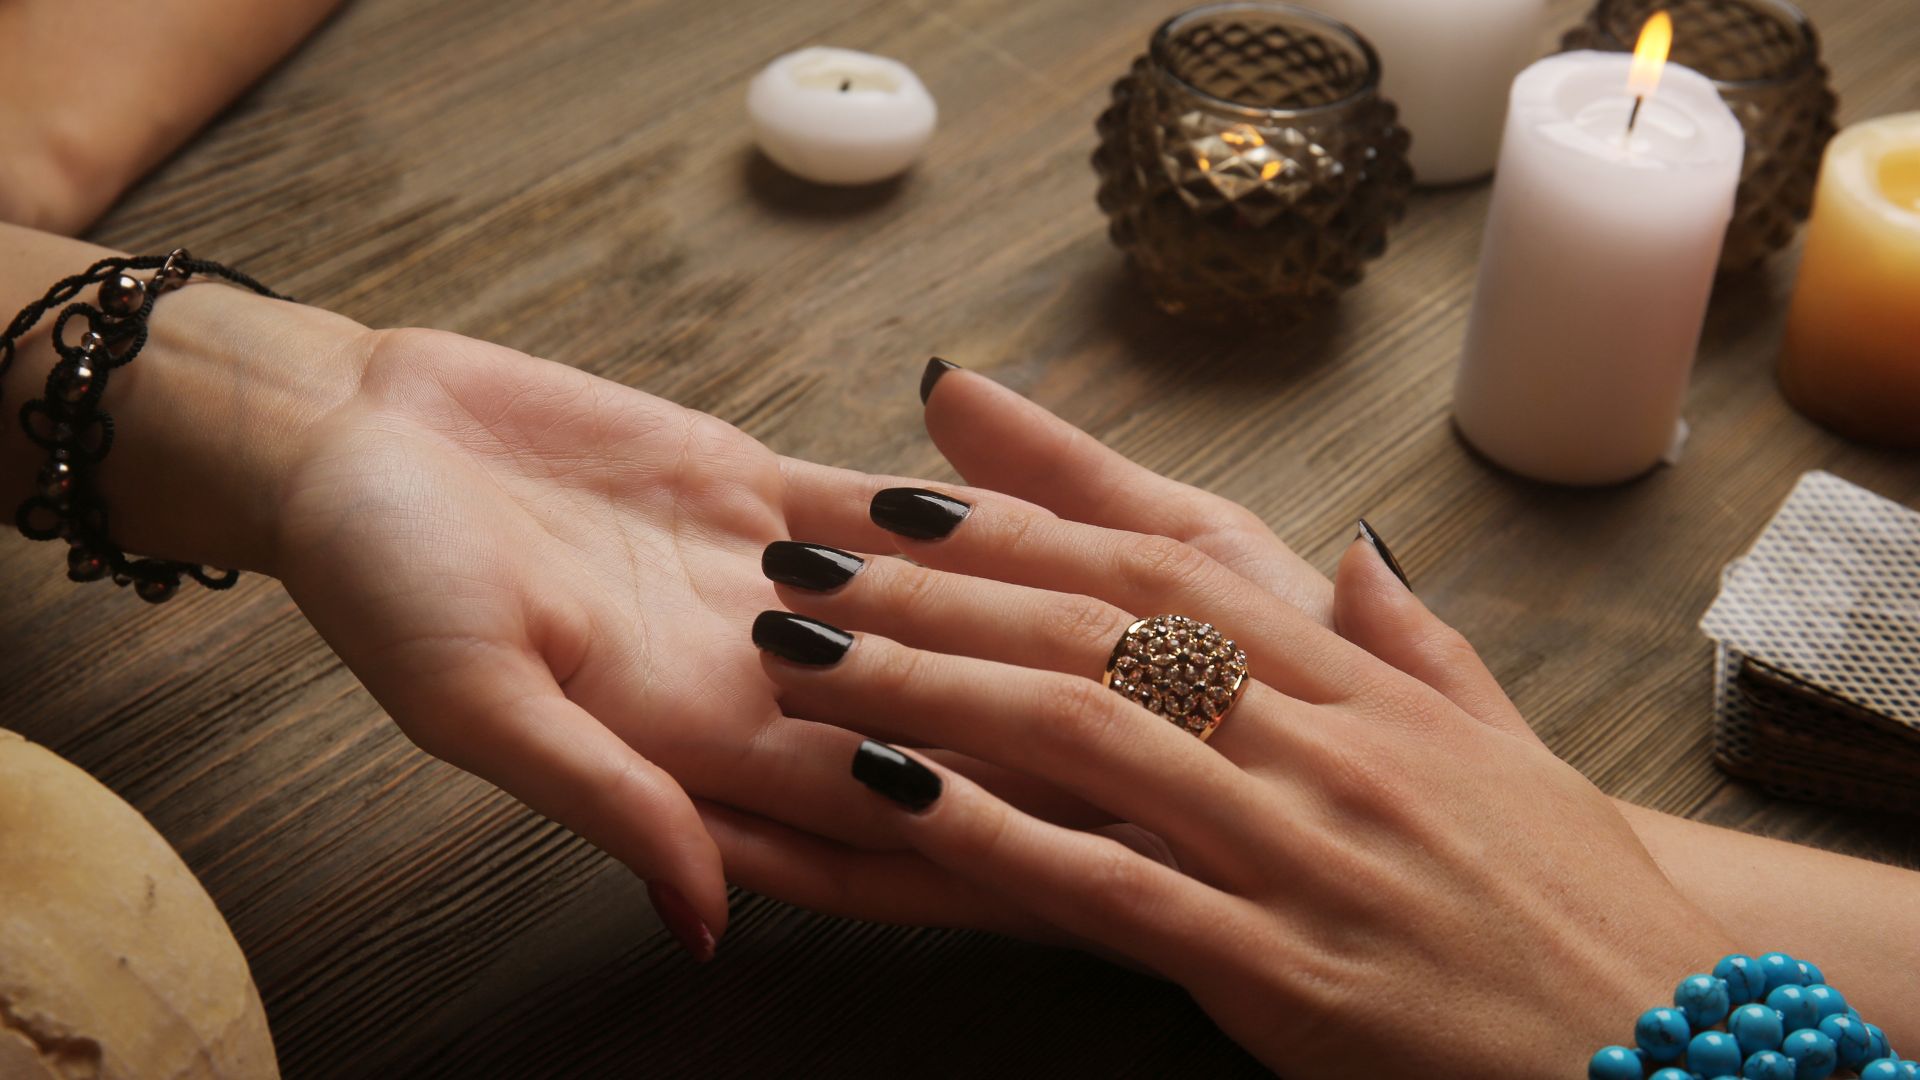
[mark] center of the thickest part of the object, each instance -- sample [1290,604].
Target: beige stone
[114,962]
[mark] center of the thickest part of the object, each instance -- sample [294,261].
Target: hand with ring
[1360,875]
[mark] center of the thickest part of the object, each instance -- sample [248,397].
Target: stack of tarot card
[1817,677]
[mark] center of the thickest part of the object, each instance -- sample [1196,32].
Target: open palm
[546,579]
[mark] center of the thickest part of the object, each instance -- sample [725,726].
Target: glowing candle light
[1613,192]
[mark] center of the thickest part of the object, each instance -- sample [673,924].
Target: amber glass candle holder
[1764,57]
[1248,166]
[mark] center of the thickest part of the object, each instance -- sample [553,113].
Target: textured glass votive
[1764,58]
[1248,165]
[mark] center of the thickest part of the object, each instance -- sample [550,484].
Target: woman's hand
[1370,877]
[538,573]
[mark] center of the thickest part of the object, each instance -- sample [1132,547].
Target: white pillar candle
[1447,66]
[1595,269]
[836,116]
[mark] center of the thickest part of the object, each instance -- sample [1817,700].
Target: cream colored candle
[1852,354]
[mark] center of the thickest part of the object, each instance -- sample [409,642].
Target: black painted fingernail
[895,775]
[917,512]
[800,639]
[1386,556]
[936,367]
[814,567]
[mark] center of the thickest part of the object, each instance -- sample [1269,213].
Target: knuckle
[1075,714]
[910,589]
[1450,648]
[621,787]
[1119,880]
[1366,780]
[1082,625]
[1223,515]
[1014,531]
[894,671]
[1161,564]
[985,839]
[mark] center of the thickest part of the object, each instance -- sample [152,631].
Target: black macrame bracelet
[76,433]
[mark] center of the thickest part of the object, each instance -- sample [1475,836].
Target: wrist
[209,418]
[214,415]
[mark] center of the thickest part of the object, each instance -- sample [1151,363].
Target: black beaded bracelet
[76,433]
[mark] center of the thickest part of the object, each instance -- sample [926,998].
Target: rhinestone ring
[1180,668]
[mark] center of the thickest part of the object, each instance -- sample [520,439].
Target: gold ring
[1179,668]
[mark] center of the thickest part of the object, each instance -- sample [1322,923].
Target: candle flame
[1650,55]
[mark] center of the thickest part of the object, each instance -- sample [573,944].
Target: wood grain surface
[574,178]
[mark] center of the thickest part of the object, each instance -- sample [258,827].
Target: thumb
[1374,608]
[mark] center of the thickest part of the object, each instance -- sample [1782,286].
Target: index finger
[999,440]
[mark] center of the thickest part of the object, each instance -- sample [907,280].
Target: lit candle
[1609,206]
[835,116]
[1447,66]
[1852,355]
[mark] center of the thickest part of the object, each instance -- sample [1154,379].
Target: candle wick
[1634,116]
[846,85]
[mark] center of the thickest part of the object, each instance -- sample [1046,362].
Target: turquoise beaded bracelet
[1774,1018]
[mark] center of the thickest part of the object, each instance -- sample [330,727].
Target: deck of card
[1817,670]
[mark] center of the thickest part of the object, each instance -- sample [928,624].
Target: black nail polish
[1386,556]
[917,512]
[936,367]
[895,775]
[814,567]
[800,639]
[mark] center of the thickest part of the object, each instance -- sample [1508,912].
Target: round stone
[122,295]
[1767,1065]
[1796,1009]
[1852,1045]
[1662,1033]
[1615,1063]
[1826,1000]
[1713,1053]
[84,565]
[1813,1054]
[1781,970]
[1704,999]
[1756,1028]
[56,480]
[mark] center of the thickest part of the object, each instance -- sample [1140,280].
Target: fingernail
[681,921]
[800,639]
[814,567]
[936,367]
[895,775]
[1386,556]
[917,512]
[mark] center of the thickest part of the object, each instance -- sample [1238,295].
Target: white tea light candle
[836,116]
[1595,269]
[1447,66]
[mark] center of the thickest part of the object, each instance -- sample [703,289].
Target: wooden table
[574,179]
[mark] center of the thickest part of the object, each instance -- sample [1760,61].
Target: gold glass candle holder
[1764,58]
[1248,166]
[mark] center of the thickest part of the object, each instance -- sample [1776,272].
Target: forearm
[1859,920]
[209,417]
[99,92]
